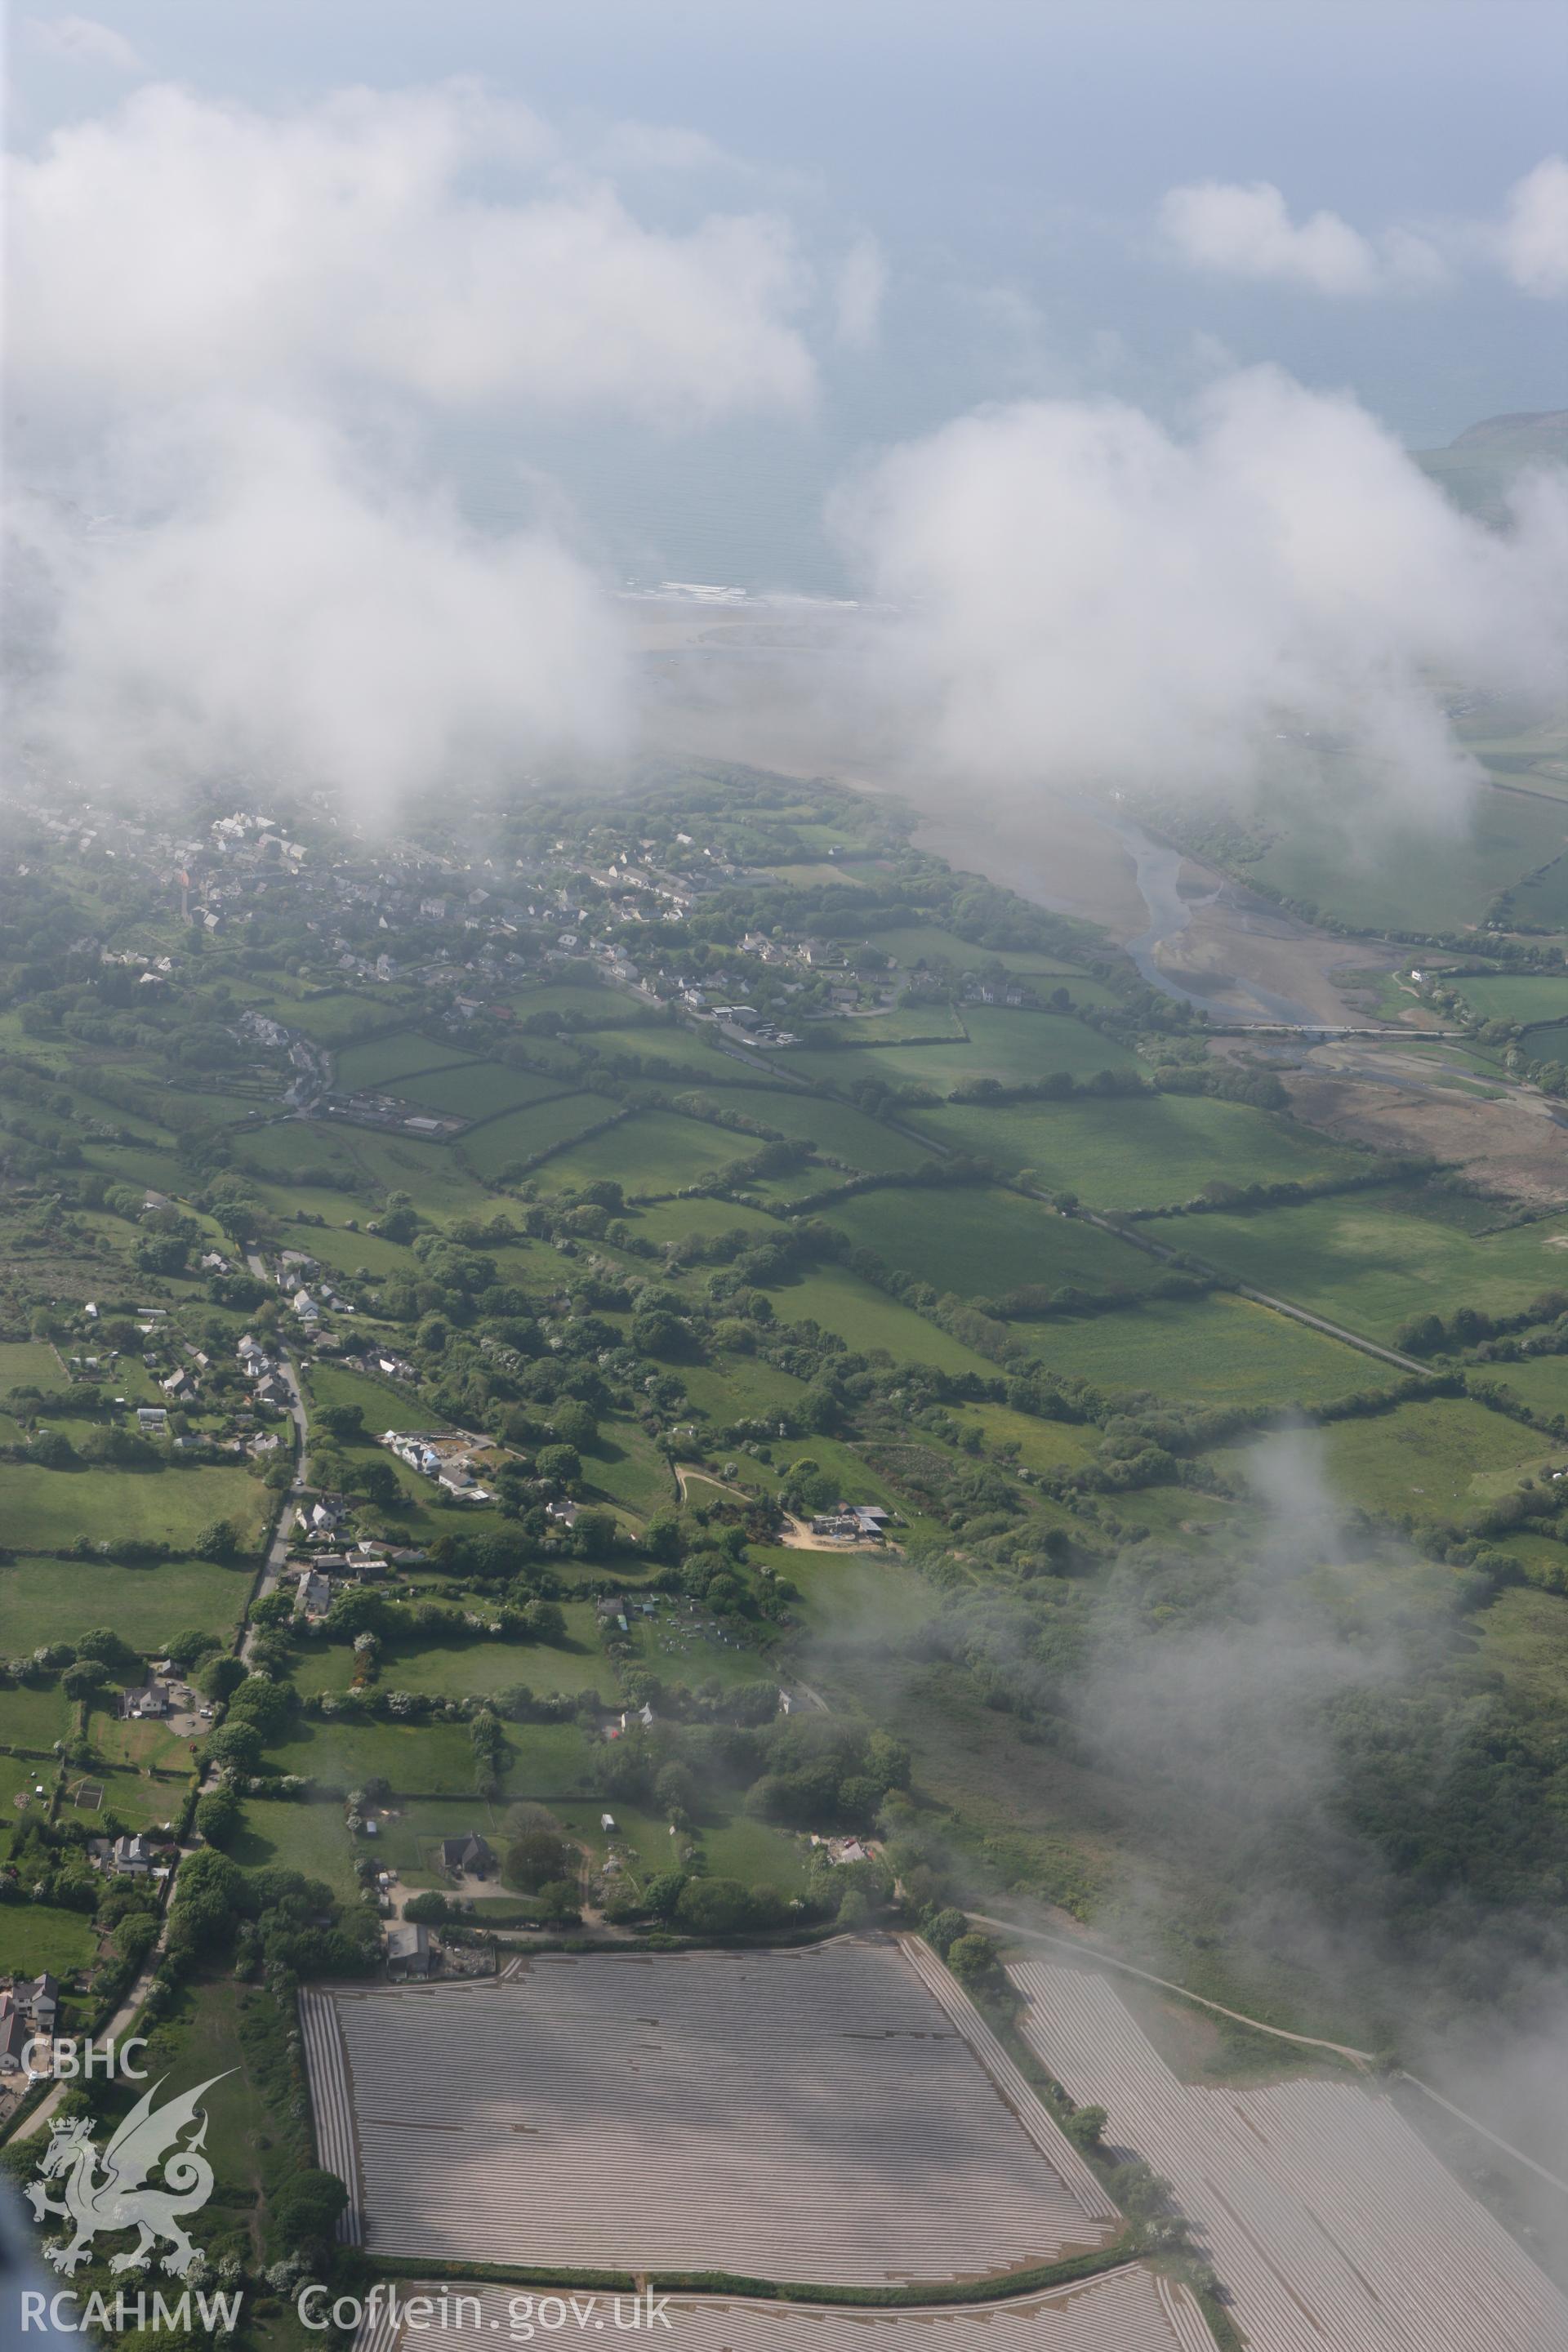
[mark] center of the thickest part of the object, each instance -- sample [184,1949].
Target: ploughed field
[1127,2310]
[1326,2218]
[838,2115]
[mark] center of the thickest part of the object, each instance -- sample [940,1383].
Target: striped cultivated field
[1129,2310]
[1329,2220]
[834,2115]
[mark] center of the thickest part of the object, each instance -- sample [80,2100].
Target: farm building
[154,1699]
[408,1951]
[470,1855]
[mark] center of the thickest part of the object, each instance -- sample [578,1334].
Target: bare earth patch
[1511,1145]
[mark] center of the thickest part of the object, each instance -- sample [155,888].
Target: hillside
[1476,467]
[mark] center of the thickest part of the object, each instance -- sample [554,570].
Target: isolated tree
[344,1421]
[536,1858]
[573,1423]
[427,1910]
[218,1818]
[972,1959]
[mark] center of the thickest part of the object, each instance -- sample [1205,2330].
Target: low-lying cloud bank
[272,604]
[1245,231]
[436,242]
[1081,596]
[234,337]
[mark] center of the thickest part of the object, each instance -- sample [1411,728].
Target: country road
[123,2016]
[277,1552]
[1258,1297]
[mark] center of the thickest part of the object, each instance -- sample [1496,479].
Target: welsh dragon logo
[117,2197]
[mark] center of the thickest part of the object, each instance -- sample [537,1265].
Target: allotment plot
[834,2115]
[1326,2216]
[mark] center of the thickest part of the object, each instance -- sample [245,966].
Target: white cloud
[181,245]
[1247,232]
[1533,242]
[82,41]
[1084,597]
[859,287]
[266,599]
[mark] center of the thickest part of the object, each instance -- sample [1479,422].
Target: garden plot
[1128,2310]
[1329,2220]
[832,2114]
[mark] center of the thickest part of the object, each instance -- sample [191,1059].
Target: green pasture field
[849,1596]
[1015,1048]
[866,1319]
[682,1055]
[390,1407]
[1539,1381]
[757,1854]
[36,1718]
[343,1253]
[904,1026]
[684,1654]
[46,1510]
[1529,998]
[201,2040]
[19,1776]
[519,1134]
[1544,898]
[980,1242]
[1435,1460]
[625,1465]
[347,1015]
[140,1163]
[642,1837]
[1222,1350]
[653,1152]
[436,1182]
[1140,1151]
[546,1760]
[834,1127]
[28,1362]
[1548,1044]
[366,1068]
[910,942]
[416,1759]
[481,1090]
[44,1600]
[740,1388]
[281,1151]
[322,1667]
[1523,1636]
[809,877]
[1372,1260]
[130,1744]
[311,1836]
[35,1937]
[136,1798]
[196,1106]
[1419,880]
[1041,1445]
[672,1221]
[481,1668]
[593,998]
